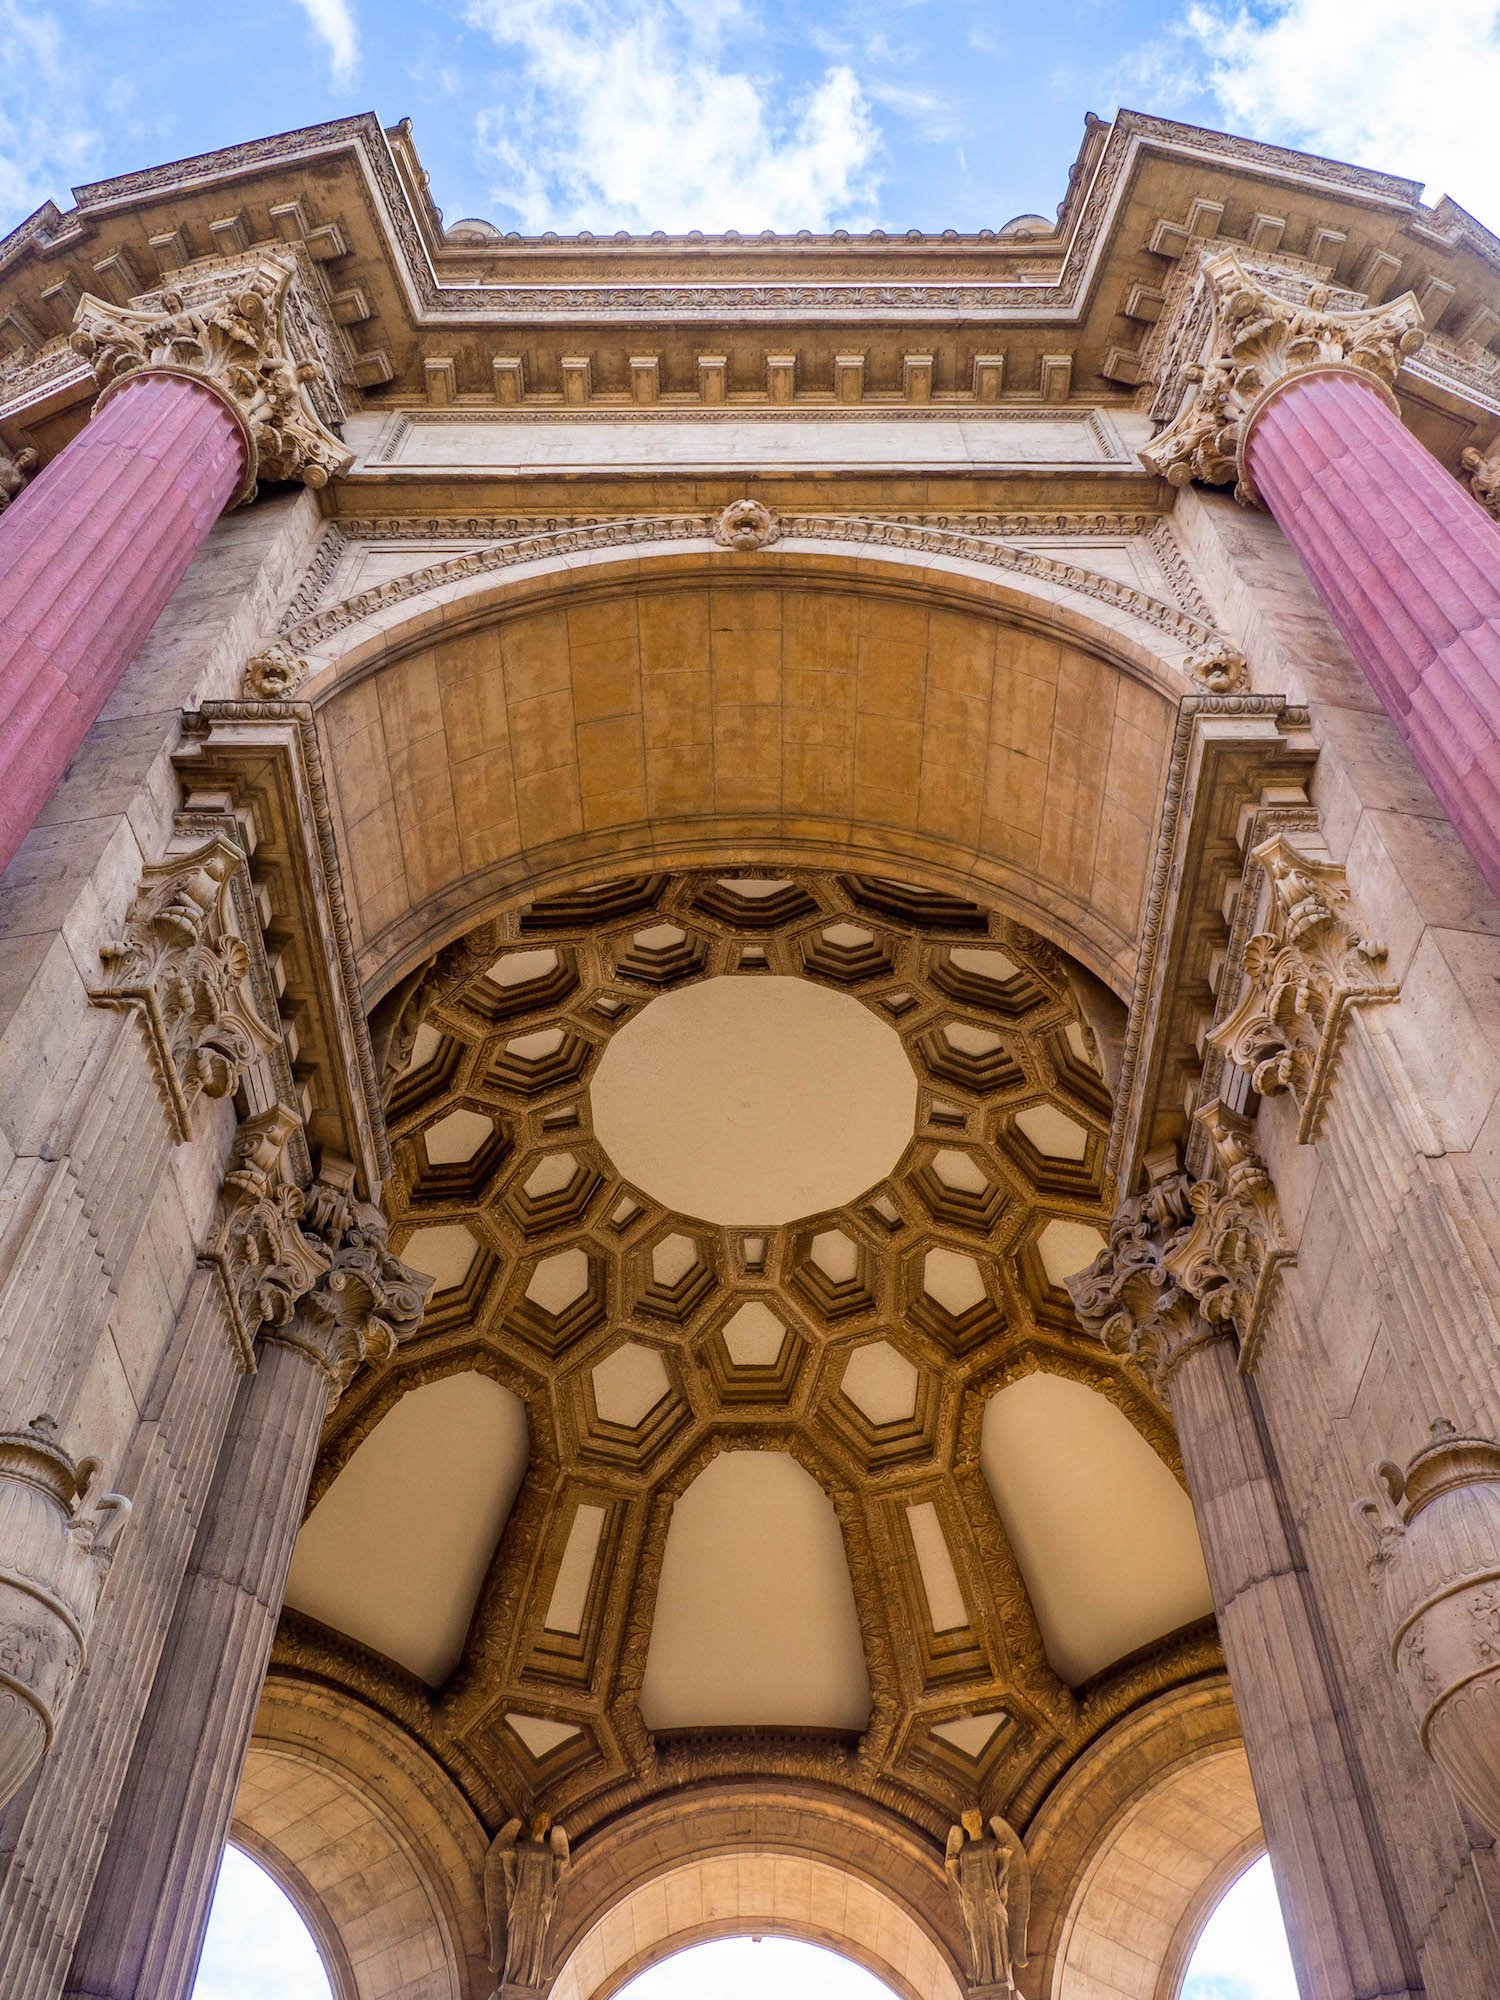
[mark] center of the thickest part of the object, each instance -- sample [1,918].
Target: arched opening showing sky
[752,1968]
[258,1947]
[1242,1953]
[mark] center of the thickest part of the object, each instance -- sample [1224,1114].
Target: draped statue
[991,1880]
[522,1874]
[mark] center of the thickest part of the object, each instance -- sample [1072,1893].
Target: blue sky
[744,114]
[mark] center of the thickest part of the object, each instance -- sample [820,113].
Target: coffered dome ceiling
[749,1429]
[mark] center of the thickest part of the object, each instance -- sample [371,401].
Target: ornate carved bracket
[1261,340]
[183,962]
[236,341]
[1304,970]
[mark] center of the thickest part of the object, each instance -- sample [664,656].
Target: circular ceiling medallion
[753,1100]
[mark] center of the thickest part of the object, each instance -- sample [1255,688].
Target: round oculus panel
[750,1100]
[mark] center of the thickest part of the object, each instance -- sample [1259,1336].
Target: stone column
[144,1928]
[1184,1263]
[197,403]
[1296,405]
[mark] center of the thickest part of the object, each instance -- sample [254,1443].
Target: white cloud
[332,21]
[633,116]
[44,143]
[1409,86]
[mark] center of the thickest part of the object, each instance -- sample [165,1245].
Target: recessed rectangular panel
[524,442]
[570,1591]
[945,1600]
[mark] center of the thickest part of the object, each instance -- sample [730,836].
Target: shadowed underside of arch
[838,712]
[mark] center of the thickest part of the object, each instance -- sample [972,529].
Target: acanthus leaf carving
[1260,340]
[1303,972]
[1189,1261]
[236,341]
[268,1261]
[364,1301]
[182,962]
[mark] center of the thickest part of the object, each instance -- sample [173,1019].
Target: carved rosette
[267,1260]
[237,344]
[181,961]
[57,1537]
[15,469]
[364,1302]
[1260,342]
[1437,1556]
[1303,972]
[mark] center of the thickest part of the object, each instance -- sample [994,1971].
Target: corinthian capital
[1132,1299]
[1258,342]
[266,1257]
[235,340]
[364,1302]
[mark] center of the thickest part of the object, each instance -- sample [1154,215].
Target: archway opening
[257,1946]
[1241,1952]
[747,1968]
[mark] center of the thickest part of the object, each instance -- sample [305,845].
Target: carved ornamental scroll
[236,342]
[1259,342]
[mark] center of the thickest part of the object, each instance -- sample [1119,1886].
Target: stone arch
[374,1847]
[500,737]
[1136,1845]
[759,1891]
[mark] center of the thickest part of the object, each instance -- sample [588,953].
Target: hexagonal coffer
[563,1296]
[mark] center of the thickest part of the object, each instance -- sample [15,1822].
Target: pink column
[90,552]
[1409,566]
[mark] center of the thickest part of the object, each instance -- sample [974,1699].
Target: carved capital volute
[268,1261]
[182,962]
[1302,972]
[364,1302]
[1261,341]
[1133,1300]
[233,339]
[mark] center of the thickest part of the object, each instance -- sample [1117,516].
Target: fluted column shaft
[1337,1905]
[1409,567]
[144,1929]
[90,553]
